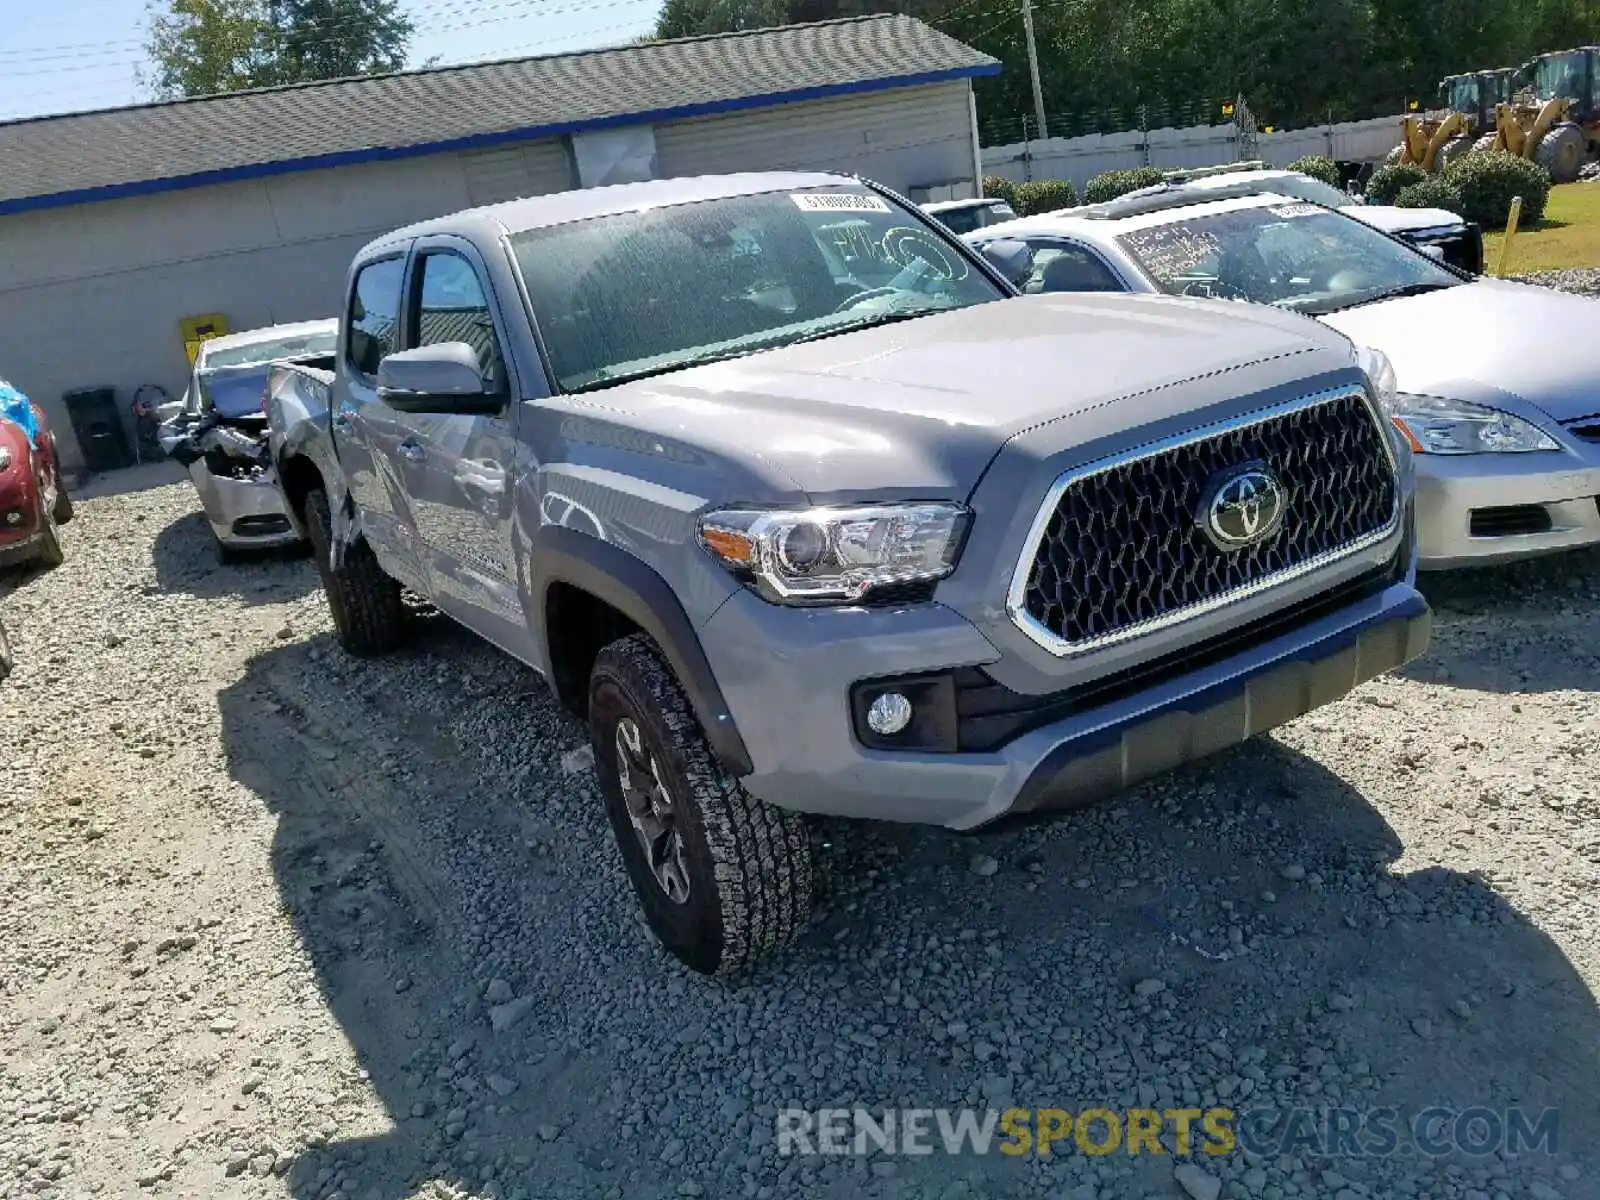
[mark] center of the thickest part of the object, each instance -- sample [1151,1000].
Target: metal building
[117,226]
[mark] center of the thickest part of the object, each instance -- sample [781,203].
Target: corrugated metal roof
[79,157]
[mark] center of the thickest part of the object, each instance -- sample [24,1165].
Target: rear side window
[452,307]
[1059,268]
[375,314]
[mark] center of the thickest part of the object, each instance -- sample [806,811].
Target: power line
[438,16]
[434,6]
[545,43]
[587,6]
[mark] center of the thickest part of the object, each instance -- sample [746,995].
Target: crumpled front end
[232,471]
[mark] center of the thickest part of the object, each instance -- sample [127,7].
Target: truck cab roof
[561,208]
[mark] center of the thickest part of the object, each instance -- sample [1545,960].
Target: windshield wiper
[605,380]
[871,322]
[1395,293]
[751,346]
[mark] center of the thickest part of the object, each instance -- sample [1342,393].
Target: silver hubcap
[650,809]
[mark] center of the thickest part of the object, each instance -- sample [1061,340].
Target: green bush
[998,187]
[1433,192]
[1387,182]
[1044,195]
[1488,182]
[1108,185]
[1318,167]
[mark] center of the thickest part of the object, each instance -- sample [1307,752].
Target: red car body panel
[28,486]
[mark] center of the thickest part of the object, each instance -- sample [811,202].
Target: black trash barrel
[98,424]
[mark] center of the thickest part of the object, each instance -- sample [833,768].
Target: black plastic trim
[966,711]
[562,555]
[1510,520]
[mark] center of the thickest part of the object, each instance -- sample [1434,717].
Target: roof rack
[1180,174]
[1163,196]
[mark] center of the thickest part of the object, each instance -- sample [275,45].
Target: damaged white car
[220,432]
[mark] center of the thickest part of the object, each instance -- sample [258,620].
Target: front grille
[1509,521]
[1123,550]
[989,714]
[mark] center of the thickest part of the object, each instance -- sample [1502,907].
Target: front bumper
[786,674]
[244,513]
[1478,509]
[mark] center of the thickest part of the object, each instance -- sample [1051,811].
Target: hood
[1403,220]
[1486,341]
[923,406]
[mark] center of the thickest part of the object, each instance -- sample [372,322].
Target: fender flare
[609,573]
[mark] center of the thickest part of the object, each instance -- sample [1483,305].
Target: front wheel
[368,614]
[722,877]
[1561,152]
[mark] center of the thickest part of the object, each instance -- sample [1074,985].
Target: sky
[70,55]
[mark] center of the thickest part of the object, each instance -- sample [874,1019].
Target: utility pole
[1033,68]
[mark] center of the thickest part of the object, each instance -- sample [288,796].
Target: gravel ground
[1583,280]
[281,923]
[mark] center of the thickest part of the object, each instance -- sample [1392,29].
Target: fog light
[889,714]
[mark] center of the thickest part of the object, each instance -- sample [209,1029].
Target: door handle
[411,451]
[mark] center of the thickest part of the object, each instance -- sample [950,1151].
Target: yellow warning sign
[198,329]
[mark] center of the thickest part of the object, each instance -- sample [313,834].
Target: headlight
[1381,372]
[5,457]
[1434,426]
[834,555]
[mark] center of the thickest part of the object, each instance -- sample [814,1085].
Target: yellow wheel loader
[1554,118]
[1466,114]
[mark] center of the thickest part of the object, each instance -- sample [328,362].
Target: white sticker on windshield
[839,202]
[1297,210]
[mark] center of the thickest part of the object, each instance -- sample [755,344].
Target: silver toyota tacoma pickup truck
[803,508]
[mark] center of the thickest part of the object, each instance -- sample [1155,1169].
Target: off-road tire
[367,611]
[748,863]
[1562,151]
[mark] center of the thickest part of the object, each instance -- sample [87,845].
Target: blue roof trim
[345,158]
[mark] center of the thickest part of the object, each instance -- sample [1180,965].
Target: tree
[1106,64]
[197,47]
[201,47]
[330,39]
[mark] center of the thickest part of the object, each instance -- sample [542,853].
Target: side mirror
[1012,258]
[443,378]
[1434,252]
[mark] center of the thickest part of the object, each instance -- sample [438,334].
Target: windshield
[1295,256]
[1559,75]
[640,293]
[1461,94]
[234,391]
[305,345]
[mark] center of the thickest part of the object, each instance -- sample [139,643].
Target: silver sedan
[1495,385]
[219,432]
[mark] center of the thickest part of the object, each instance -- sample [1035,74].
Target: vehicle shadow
[436,861]
[186,560]
[1521,627]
